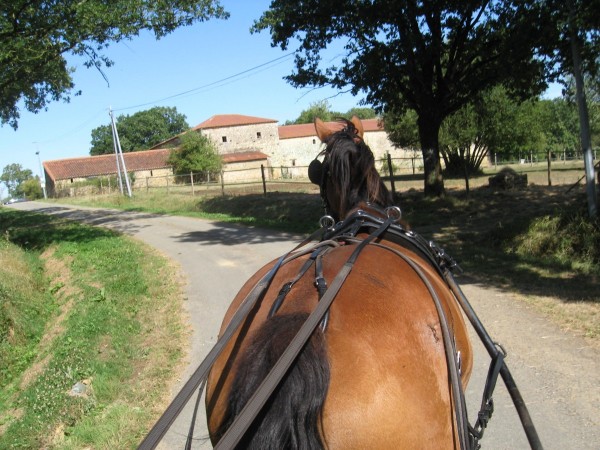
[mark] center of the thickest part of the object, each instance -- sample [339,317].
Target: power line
[214,83]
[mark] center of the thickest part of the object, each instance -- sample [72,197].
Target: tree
[31,188]
[402,128]
[13,176]
[322,110]
[35,36]
[139,131]
[431,57]
[196,154]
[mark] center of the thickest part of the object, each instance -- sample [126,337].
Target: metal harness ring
[393,212]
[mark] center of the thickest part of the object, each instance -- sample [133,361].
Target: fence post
[391,169]
[412,160]
[222,183]
[549,169]
[496,161]
[192,181]
[264,181]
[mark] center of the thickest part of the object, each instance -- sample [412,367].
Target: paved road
[558,374]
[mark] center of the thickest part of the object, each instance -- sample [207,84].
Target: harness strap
[244,419]
[321,285]
[178,403]
[487,402]
[287,287]
[491,347]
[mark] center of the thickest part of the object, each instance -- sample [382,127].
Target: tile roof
[229,158]
[231,120]
[308,129]
[90,166]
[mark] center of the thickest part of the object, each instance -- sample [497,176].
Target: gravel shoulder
[558,373]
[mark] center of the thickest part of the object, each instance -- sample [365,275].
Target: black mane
[349,166]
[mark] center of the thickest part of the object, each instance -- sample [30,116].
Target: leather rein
[330,235]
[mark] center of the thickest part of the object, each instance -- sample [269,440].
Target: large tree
[13,176]
[35,36]
[140,131]
[429,56]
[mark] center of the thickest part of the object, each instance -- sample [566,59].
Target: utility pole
[42,174]
[119,155]
[584,120]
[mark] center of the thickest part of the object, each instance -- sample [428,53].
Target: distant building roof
[90,166]
[229,158]
[231,120]
[93,166]
[308,129]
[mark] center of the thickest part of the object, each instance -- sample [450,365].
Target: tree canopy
[140,131]
[322,110]
[431,57]
[13,176]
[196,154]
[35,36]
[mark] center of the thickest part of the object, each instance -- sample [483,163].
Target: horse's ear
[358,125]
[323,132]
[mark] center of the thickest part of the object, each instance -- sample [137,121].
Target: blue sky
[146,71]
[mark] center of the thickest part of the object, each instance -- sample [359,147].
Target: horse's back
[388,382]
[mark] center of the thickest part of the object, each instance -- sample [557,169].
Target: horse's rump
[388,382]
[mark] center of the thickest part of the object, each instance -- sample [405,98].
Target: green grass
[88,307]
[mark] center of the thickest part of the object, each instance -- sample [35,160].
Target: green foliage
[432,58]
[402,128]
[32,189]
[114,298]
[568,238]
[13,175]
[24,309]
[140,131]
[322,110]
[35,36]
[196,154]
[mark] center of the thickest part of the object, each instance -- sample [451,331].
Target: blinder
[315,172]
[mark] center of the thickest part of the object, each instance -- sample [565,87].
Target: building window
[224,138]
[314,141]
[293,163]
[258,135]
[151,174]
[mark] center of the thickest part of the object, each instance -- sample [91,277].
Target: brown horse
[375,373]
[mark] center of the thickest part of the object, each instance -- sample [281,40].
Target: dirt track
[558,374]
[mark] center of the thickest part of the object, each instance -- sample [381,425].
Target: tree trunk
[429,129]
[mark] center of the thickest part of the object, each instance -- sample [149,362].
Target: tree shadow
[230,234]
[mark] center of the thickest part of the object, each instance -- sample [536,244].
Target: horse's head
[347,175]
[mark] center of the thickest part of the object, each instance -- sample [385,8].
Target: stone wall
[262,137]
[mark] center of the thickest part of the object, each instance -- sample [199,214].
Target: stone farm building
[244,142]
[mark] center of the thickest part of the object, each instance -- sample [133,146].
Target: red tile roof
[90,166]
[229,158]
[231,120]
[308,129]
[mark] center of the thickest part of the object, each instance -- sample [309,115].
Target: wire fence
[263,179]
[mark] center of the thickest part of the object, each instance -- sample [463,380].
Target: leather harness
[330,236]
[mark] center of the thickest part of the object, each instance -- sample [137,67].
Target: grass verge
[95,329]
